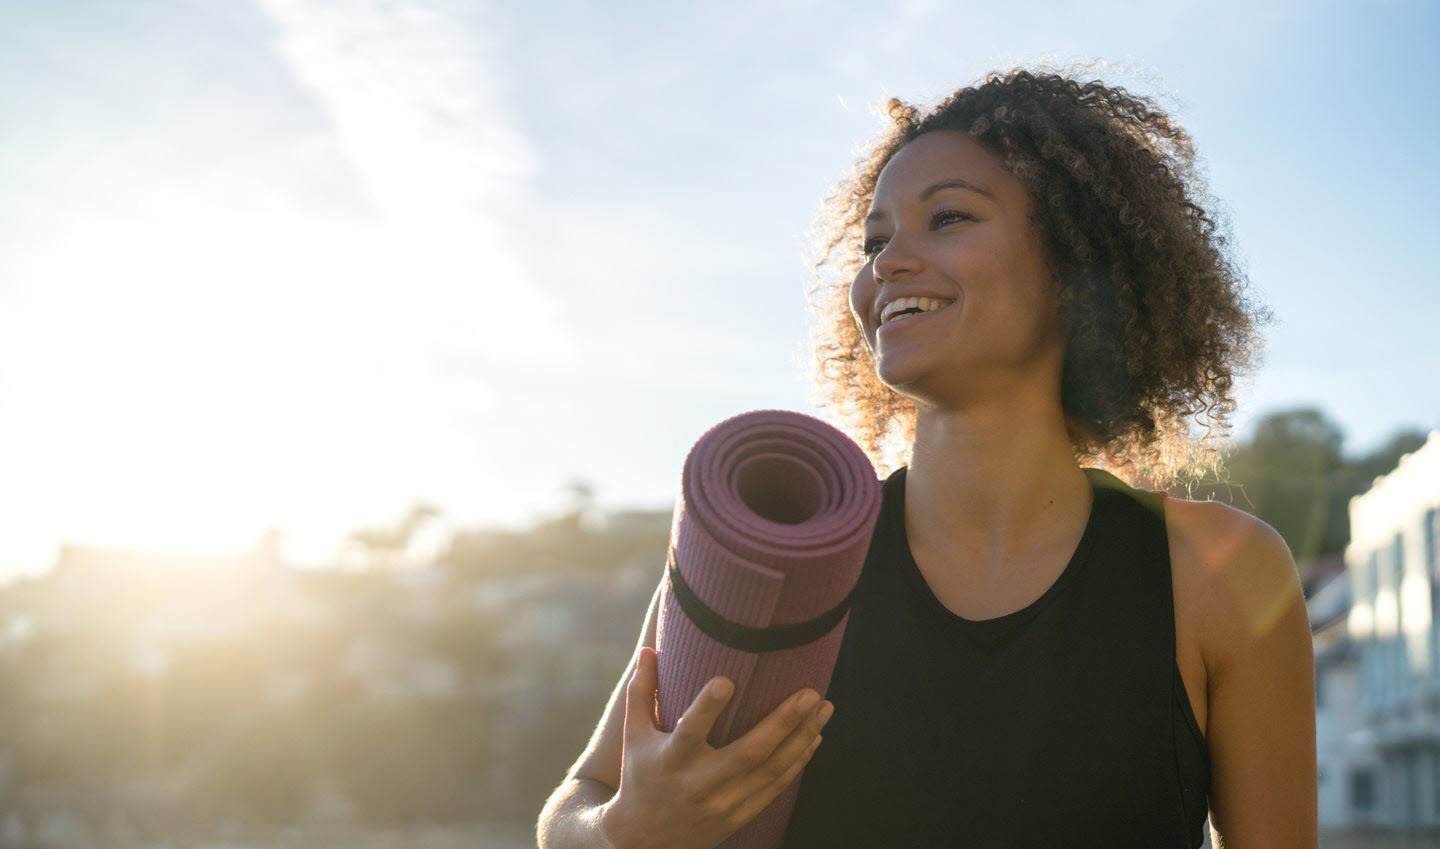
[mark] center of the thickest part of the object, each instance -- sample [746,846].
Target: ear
[1063,294]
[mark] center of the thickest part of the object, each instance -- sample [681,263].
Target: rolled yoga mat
[770,531]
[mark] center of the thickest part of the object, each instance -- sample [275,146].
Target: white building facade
[1340,751]
[1391,765]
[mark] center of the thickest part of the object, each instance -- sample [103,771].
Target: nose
[896,258]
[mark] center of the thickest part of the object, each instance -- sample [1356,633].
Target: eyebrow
[952,183]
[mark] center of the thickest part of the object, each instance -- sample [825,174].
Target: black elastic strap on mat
[744,637]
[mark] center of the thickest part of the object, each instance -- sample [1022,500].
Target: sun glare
[198,375]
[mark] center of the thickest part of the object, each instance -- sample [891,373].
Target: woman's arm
[570,818]
[1260,669]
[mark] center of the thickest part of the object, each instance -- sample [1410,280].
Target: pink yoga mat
[771,528]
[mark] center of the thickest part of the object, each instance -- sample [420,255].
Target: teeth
[926,304]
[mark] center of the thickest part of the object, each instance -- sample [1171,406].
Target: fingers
[805,735]
[640,696]
[753,752]
[789,757]
[693,728]
[762,797]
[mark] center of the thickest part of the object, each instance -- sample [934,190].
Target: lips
[912,320]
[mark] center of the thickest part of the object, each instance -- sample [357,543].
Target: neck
[995,481]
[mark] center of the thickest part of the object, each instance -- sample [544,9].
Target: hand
[679,792]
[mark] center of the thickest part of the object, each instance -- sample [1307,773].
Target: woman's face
[949,222]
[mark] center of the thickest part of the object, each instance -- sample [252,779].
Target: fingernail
[808,701]
[825,713]
[720,688]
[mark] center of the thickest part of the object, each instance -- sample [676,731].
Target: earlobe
[1062,293]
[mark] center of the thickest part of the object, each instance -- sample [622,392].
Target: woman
[1038,654]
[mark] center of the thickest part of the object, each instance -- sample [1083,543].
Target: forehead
[937,156]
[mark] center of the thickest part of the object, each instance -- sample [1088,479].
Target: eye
[945,216]
[870,247]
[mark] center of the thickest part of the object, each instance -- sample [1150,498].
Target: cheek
[862,295]
[1023,290]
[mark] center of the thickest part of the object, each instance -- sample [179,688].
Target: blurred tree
[582,496]
[384,546]
[1293,474]
[1295,461]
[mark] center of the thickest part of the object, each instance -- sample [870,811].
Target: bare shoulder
[1244,598]
[1235,572]
[1218,536]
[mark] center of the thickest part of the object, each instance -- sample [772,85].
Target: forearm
[570,818]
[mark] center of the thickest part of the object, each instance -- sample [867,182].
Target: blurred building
[182,680]
[1391,772]
[1342,749]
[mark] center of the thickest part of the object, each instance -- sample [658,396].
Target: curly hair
[1156,319]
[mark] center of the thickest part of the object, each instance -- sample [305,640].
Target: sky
[298,264]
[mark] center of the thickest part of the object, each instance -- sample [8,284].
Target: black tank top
[1063,724]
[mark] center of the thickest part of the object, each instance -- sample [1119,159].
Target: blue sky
[298,263]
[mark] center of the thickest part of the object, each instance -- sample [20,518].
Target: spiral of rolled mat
[771,528]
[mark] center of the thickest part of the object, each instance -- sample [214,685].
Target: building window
[1434,772]
[1362,789]
[1397,559]
[1434,643]
[1398,673]
[1431,532]
[1397,668]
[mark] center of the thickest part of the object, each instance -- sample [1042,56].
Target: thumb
[640,696]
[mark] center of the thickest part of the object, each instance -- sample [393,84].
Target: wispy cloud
[415,104]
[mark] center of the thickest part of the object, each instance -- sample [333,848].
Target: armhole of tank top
[1181,694]
[1194,800]
[1182,704]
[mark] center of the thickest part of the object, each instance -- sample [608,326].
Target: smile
[910,320]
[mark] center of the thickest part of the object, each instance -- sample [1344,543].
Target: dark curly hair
[1156,320]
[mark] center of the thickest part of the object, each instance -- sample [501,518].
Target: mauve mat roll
[770,531]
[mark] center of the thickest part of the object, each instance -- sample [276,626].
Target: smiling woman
[1037,653]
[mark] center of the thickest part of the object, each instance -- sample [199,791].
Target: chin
[905,378]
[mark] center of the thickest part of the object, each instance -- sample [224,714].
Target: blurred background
[350,353]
